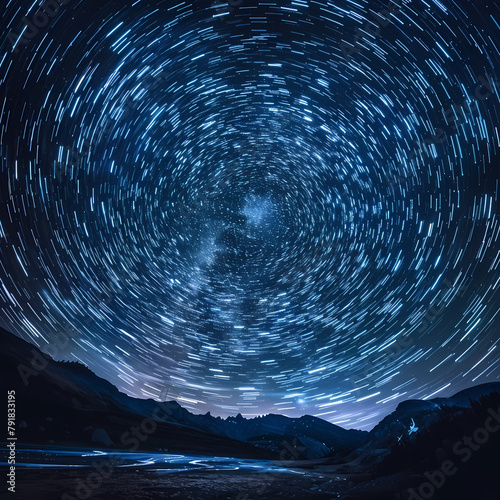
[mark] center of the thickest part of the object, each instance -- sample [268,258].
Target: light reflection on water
[160,462]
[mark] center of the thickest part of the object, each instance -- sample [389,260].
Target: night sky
[281,206]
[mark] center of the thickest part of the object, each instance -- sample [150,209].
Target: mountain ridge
[76,389]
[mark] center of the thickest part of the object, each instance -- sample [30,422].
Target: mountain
[65,402]
[422,414]
[304,437]
[392,440]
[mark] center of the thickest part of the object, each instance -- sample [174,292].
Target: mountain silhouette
[64,404]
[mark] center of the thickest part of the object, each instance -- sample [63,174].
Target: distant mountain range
[66,404]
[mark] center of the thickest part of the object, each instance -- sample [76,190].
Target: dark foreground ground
[320,482]
[206,485]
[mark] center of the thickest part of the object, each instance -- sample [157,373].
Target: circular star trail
[286,207]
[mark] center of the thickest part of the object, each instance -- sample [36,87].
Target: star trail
[264,207]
